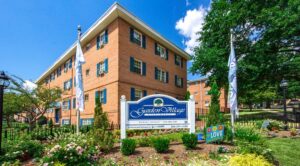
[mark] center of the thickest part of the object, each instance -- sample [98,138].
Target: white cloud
[189,25]
[29,86]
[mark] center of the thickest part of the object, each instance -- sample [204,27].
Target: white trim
[115,11]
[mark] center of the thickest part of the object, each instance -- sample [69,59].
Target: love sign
[214,133]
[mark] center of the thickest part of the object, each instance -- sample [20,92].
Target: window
[86,97]
[68,65]
[47,80]
[102,67]
[58,71]
[66,105]
[101,95]
[137,38]
[161,75]
[195,93]
[161,51]
[68,84]
[178,60]
[52,76]
[102,39]
[65,121]
[137,66]
[137,94]
[178,81]
[87,72]
[74,103]
[86,122]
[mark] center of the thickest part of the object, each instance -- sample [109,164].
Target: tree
[214,116]
[187,95]
[34,103]
[266,39]
[100,117]
[11,106]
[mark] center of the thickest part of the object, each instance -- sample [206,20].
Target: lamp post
[284,85]
[4,83]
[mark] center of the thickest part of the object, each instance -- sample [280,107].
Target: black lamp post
[284,85]
[4,83]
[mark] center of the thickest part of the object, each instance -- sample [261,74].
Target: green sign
[214,133]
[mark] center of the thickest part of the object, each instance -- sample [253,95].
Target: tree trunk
[250,106]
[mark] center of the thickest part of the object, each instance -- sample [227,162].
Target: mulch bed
[176,151]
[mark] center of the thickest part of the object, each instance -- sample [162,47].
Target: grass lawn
[286,150]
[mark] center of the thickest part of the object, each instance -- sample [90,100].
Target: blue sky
[34,33]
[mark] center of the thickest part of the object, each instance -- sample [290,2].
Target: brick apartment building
[199,89]
[123,56]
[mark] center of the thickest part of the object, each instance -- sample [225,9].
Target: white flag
[232,81]
[79,60]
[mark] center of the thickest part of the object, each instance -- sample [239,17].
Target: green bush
[144,142]
[22,150]
[102,138]
[189,140]
[247,134]
[161,145]
[128,146]
[228,135]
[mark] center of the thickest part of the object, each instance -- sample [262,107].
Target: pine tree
[214,116]
[100,117]
[187,95]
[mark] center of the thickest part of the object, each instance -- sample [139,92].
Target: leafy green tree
[34,103]
[11,106]
[266,39]
[214,116]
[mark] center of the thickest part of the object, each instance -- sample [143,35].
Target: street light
[284,85]
[4,83]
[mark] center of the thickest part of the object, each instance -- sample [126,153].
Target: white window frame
[141,66]
[162,54]
[101,96]
[179,82]
[88,46]
[65,105]
[86,122]
[101,68]
[102,39]
[138,37]
[162,75]
[207,103]
[66,120]
[179,61]
[138,94]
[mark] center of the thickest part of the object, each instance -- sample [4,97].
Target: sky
[34,33]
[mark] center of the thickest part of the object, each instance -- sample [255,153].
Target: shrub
[248,159]
[247,134]
[228,135]
[128,146]
[275,125]
[22,150]
[161,145]
[214,116]
[189,141]
[102,138]
[50,123]
[144,142]
[100,117]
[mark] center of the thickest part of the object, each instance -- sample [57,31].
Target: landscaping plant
[128,146]
[247,134]
[144,142]
[161,145]
[189,140]
[214,116]
[249,160]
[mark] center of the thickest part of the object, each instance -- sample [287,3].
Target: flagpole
[77,109]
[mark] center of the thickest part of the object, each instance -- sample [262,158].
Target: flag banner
[79,60]
[232,64]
